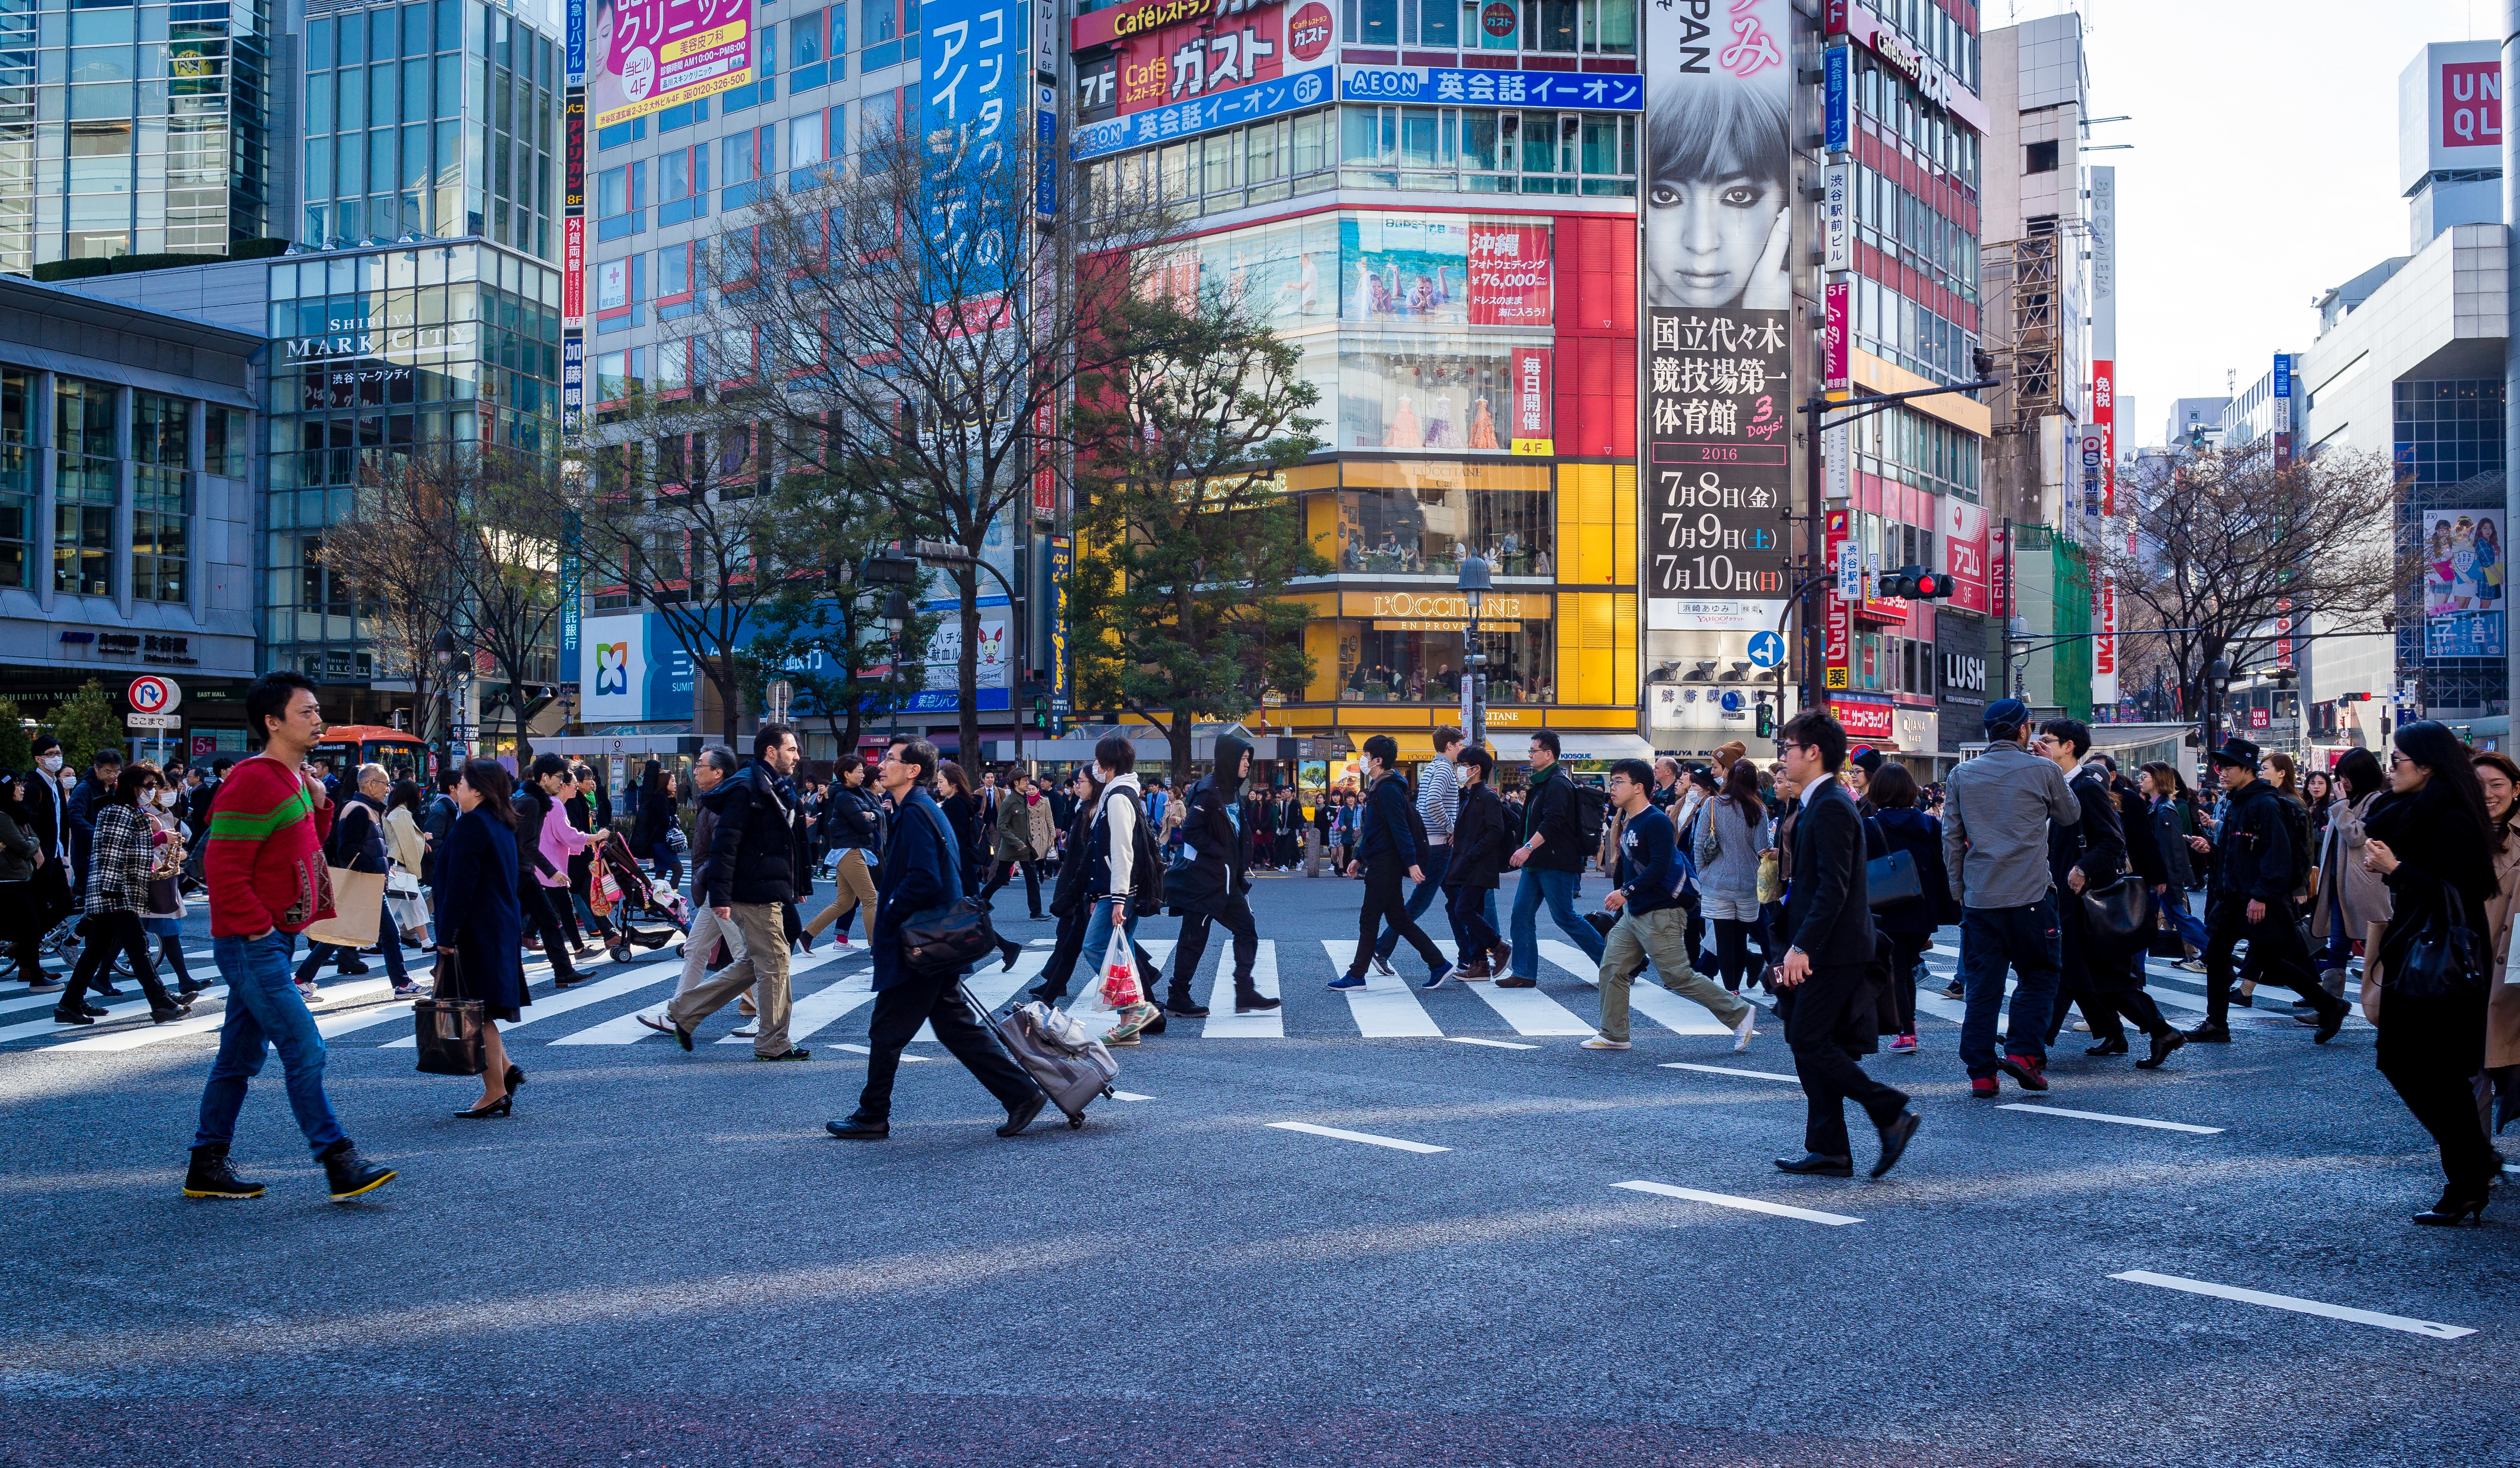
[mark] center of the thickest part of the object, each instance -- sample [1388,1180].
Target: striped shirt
[1439,800]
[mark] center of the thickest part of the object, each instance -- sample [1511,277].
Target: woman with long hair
[2350,896]
[2174,821]
[480,923]
[22,921]
[651,834]
[962,814]
[163,918]
[122,861]
[1910,924]
[1731,831]
[2433,841]
[2317,792]
[407,848]
[542,883]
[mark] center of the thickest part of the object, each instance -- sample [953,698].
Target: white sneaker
[1597,1042]
[747,1032]
[309,993]
[2082,1027]
[1743,1032]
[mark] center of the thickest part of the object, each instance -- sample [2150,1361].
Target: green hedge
[126,264]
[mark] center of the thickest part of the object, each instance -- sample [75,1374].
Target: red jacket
[265,858]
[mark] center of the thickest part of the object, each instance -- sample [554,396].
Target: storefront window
[1404,390]
[1398,661]
[1424,531]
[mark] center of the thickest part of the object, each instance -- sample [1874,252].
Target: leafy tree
[85,723]
[1186,535]
[17,745]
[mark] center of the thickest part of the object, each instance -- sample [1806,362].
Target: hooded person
[1209,883]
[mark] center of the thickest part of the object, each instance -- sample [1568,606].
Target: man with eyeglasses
[2250,897]
[1996,817]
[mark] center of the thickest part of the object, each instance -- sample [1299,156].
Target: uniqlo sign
[2471,104]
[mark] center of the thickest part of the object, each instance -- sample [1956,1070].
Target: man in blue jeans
[1552,860]
[1996,813]
[267,882]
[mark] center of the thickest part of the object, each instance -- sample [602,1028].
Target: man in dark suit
[917,874]
[1825,989]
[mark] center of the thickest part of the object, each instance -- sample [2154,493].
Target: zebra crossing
[833,997]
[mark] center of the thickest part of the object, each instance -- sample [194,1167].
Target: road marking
[1129,1096]
[1367,1137]
[796,1031]
[1527,1010]
[1221,1022]
[2432,1328]
[625,1028]
[1746,1204]
[826,1006]
[202,1024]
[47,1025]
[1682,1065]
[995,984]
[1473,1039]
[905,1056]
[2101,1115]
[578,996]
[1386,1008]
[1646,995]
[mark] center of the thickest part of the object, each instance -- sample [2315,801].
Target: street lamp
[1473,584]
[896,626]
[441,651]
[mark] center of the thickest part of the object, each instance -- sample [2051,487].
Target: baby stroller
[643,916]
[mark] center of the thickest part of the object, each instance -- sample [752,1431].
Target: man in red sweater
[268,881]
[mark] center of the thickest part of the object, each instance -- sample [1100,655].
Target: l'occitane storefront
[1388,628]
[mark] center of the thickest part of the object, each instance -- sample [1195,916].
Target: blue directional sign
[1766,648]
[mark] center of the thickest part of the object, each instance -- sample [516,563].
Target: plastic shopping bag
[1120,986]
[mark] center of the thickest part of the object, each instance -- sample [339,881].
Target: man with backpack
[1652,924]
[2257,865]
[1560,826]
[1124,873]
[1390,841]
[1211,883]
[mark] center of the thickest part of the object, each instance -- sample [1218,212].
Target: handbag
[452,1033]
[358,897]
[1892,879]
[2118,916]
[2442,959]
[1771,877]
[952,935]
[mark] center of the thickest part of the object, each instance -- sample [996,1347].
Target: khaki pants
[700,946]
[1662,935]
[851,885]
[762,968]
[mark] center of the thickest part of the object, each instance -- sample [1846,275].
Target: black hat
[1866,759]
[2006,714]
[2237,751]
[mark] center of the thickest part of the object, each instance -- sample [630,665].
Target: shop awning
[1605,747]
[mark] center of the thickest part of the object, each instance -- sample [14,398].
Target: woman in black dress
[481,925]
[2429,839]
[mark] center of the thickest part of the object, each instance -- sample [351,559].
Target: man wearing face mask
[51,830]
[1216,887]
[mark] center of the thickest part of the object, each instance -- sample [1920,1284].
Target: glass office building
[132,130]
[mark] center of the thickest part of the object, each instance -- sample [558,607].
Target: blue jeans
[264,1010]
[1098,942]
[1993,940]
[2191,926]
[2339,948]
[1430,862]
[1560,889]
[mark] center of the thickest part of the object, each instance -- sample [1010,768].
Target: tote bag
[357,899]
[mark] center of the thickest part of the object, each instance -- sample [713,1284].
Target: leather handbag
[2118,916]
[2441,960]
[453,1034]
[952,935]
[1892,879]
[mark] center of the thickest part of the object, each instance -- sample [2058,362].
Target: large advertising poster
[1718,306]
[1963,540]
[1410,268]
[1512,275]
[2465,570]
[649,55]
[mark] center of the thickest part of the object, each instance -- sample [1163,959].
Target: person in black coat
[1479,842]
[1910,924]
[1827,992]
[1216,885]
[2111,837]
[963,814]
[2250,899]
[2429,839]
[481,923]
[652,831]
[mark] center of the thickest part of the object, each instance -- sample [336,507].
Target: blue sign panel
[2283,374]
[572,386]
[1833,93]
[1766,648]
[2463,634]
[1476,86]
[1045,188]
[577,43]
[1247,104]
[969,105]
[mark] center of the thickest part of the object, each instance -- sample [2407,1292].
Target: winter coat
[1726,852]
[1015,837]
[2364,894]
[1921,836]
[1216,871]
[1480,840]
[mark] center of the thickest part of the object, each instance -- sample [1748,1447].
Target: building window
[16,476]
[160,495]
[1397,661]
[682,185]
[1424,530]
[87,486]
[2040,158]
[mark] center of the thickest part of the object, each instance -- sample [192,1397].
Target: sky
[2264,169]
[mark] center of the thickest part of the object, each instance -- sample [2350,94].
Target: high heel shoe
[2455,1208]
[516,1077]
[503,1105]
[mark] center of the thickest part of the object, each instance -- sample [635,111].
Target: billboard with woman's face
[643,56]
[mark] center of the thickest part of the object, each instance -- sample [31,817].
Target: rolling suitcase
[1069,1064]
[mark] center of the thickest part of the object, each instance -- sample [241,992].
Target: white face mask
[52,764]
[166,797]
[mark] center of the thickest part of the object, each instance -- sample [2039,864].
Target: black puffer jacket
[757,852]
[1207,828]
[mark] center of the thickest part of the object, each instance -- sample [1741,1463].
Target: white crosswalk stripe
[553,1006]
[1386,1008]
[1528,1010]
[1221,1022]
[1646,995]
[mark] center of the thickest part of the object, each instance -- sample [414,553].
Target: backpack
[1592,804]
[1416,823]
[2296,818]
[1146,863]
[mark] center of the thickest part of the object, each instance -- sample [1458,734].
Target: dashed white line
[1746,1204]
[2101,1115]
[2295,1303]
[1473,1039]
[1129,1096]
[1396,1144]
[1682,1065]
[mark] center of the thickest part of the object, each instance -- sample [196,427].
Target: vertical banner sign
[572,541]
[2103,224]
[1062,556]
[1715,381]
[1045,473]
[970,100]
[573,197]
[2283,631]
[1532,433]
[576,23]
[1841,598]
[572,273]
[1837,116]
[1837,218]
[572,388]
[2104,646]
[1045,116]
[1837,462]
[1834,366]
[2283,409]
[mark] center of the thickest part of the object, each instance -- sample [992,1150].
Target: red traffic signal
[1916,584]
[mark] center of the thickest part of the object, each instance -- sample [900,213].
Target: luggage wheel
[1075,1122]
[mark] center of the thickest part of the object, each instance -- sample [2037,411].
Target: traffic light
[1765,724]
[1916,584]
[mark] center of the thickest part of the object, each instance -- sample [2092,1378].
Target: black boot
[1181,1003]
[351,1174]
[211,1176]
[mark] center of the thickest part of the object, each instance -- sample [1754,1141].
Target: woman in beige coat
[2349,898]
[2500,777]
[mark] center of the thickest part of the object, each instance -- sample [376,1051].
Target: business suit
[1833,1015]
[921,871]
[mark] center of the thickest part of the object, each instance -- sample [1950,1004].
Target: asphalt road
[662,1258]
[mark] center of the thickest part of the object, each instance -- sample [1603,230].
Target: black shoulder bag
[2441,960]
[955,933]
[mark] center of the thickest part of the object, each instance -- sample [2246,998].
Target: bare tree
[391,551]
[2229,539]
[503,544]
[1187,535]
[918,335]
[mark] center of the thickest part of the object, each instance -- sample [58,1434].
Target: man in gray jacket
[1995,815]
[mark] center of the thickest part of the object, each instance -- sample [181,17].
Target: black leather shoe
[349,1174]
[1895,1138]
[1813,1164]
[859,1128]
[2455,1206]
[211,1176]
[2210,1035]
[1021,1115]
[1255,1003]
[2163,1044]
[1186,1007]
[2117,1046]
[2331,1020]
[67,1017]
